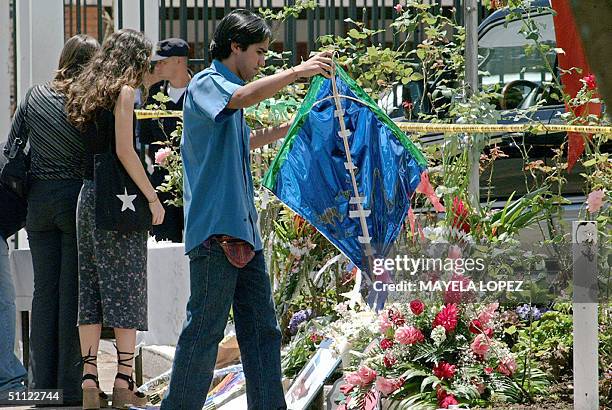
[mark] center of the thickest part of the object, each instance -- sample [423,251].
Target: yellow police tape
[534,127]
[151,114]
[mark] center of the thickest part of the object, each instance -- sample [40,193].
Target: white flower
[438,335]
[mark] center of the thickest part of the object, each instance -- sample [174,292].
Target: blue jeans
[12,373]
[216,285]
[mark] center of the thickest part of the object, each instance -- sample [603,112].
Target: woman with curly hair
[112,264]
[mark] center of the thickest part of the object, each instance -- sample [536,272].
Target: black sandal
[123,397]
[93,397]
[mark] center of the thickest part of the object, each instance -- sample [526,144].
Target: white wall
[40,38]
[5,79]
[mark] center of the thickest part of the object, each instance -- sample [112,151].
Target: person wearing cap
[170,65]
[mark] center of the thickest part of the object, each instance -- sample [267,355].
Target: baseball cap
[170,47]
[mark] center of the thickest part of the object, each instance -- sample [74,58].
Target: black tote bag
[120,205]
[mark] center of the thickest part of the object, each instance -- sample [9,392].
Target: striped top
[56,147]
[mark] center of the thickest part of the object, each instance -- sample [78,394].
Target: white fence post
[586,357]
[131,17]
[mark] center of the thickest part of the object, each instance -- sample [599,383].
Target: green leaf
[590,162]
[511,330]
[420,53]
[433,380]
[416,77]
[355,34]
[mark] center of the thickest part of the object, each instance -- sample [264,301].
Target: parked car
[523,80]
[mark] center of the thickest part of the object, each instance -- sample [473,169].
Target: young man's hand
[320,63]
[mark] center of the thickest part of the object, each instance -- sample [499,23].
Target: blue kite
[358,198]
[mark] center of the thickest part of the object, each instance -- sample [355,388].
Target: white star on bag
[127,201]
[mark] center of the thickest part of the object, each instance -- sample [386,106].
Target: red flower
[396,317]
[447,318]
[590,81]
[444,370]
[315,338]
[488,370]
[448,401]
[386,344]
[389,360]
[407,104]
[475,326]
[440,393]
[417,307]
[460,214]
[445,399]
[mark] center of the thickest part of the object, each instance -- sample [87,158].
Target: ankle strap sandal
[122,397]
[93,397]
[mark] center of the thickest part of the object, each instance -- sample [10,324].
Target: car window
[507,66]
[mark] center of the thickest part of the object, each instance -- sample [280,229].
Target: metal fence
[196,20]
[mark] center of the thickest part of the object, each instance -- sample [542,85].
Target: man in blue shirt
[227,267]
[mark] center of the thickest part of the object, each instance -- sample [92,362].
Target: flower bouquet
[431,357]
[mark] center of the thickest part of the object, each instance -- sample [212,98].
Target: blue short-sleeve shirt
[217,183]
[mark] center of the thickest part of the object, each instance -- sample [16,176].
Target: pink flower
[595,201]
[454,252]
[447,318]
[409,335]
[507,366]
[384,323]
[388,386]
[161,155]
[362,377]
[417,307]
[444,370]
[367,375]
[480,345]
[487,314]
[590,82]
[353,379]
[398,8]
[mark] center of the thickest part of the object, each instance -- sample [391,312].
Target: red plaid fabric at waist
[238,252]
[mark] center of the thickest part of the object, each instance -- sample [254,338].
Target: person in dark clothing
[112,263]
[170,59]
[56,172]
[12,219]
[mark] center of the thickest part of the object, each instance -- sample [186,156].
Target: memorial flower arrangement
[436,355]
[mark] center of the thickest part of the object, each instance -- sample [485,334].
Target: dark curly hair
[123,60]
[242,27]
